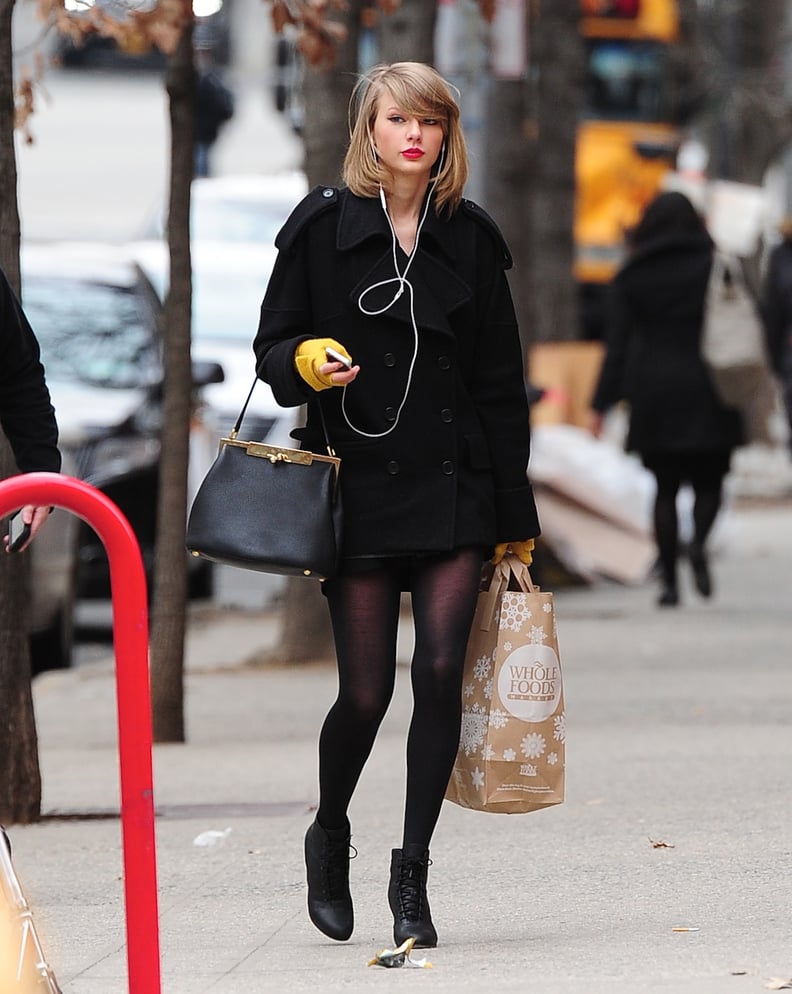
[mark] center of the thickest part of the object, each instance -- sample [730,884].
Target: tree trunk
[530,171]
[20,776]
[170,574]
[747,117]
[557,49]
[9,211]
[688,72]
[761,109]
[508,182]
[408,33]
[306,633]
[327,90]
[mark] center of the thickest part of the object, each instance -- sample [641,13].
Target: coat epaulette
[316,202]
[483,218]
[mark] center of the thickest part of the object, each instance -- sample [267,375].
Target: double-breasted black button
[392,467]
[389,359]
[390,413]
[446,416]
[448,467]
[444,362]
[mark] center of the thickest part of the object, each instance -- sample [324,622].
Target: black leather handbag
[268,508]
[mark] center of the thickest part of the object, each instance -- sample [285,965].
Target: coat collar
[437,288]
[363,218]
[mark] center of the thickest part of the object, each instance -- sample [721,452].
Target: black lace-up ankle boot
[701,573]
[407,897]
[327,856]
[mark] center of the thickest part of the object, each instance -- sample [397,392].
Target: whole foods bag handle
[511,564]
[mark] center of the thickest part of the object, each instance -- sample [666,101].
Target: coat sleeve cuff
[517,515]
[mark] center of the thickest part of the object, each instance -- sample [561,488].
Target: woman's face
[408,146]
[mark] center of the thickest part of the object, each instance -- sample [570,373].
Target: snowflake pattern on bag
[515,613]
[533,745]
[482,668]
[498,718]
[559,728]
[474,728]
[537,635]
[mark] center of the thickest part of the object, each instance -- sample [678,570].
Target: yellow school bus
[627,139]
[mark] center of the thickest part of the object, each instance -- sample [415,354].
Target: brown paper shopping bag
[511,755]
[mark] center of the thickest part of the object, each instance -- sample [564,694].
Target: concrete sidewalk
[677,813]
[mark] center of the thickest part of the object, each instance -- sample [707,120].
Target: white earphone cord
[401,279]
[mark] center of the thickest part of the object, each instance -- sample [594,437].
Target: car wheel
[51,648]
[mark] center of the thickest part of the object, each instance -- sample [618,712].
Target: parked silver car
[98,322]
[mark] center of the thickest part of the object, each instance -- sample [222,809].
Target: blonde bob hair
[419,90]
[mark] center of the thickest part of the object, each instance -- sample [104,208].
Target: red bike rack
[133,700]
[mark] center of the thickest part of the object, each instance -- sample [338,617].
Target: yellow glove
[523,550]
[310,355]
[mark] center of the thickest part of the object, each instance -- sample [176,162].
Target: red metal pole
[133,702]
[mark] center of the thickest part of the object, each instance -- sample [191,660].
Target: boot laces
[336,856]
[412,888]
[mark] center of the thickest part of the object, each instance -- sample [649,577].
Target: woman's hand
[33,516]
[338,373]
[311,362]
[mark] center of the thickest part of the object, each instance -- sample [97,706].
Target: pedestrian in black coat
[26,414]
[653,361]
[406,281]
[777,311]
[214,106]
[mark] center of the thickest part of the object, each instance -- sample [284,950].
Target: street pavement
[677,813]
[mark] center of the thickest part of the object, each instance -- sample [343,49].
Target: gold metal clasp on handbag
[276,453]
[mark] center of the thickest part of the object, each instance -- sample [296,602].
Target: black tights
[364,609]
[707,490]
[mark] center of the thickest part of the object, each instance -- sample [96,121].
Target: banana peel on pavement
[400,956]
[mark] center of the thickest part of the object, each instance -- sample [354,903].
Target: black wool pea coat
[653,357]
[26,413]
[434,440]
[778,309]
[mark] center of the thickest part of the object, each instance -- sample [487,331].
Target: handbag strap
[238,422]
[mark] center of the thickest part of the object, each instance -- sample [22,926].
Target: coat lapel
[438,289]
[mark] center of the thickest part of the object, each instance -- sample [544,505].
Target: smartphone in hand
[333,356]
[18,532]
